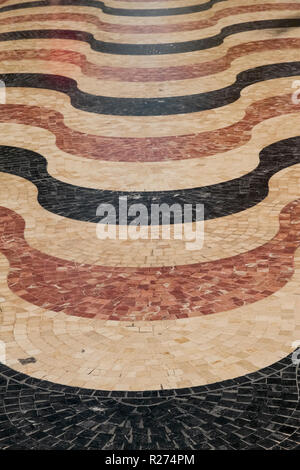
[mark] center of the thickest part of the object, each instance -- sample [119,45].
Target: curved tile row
[151,74]
[137,127]
[219,200]
[158,90]
[152,29]
[144,61]
[149,294]
[150,176]
[244,230]
[115,11]
[149,149]
[231,415]
[132,38]
[151,106]
[151,49]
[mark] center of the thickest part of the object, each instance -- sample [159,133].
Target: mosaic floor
[124,343]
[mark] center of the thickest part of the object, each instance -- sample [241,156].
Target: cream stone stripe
[148,38]
[163,60]
[131,20]
[162,354]
[77,241]
[149,126]
[156,176]
[112,88]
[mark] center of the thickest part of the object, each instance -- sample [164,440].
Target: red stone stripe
[149,29]
[149,148]
[156,73]
[148,293]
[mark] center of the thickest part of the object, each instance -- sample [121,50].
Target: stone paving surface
[143,343]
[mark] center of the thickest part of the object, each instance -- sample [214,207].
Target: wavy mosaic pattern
[158,74]
[149,149]
[143,344]
[219,200]
[152,106]
[150,29]
[151,49]
[45,231]
[89,348]
[115,11]
[152,294]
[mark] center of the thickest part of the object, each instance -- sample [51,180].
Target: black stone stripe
[151,106]
[116,11]
[256,411]
[219,200]
[151,49]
